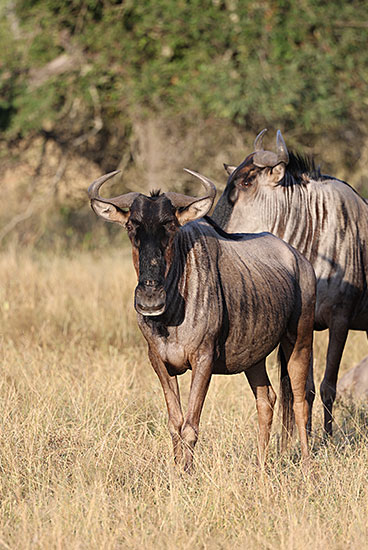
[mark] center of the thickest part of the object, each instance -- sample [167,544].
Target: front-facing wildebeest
[322,217]
[215,304]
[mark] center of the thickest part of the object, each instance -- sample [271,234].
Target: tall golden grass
[85,454]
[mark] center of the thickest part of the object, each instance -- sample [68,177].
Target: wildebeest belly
[239,354]
[261,294]
[337,298]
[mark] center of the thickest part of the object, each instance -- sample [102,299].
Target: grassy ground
[85,455]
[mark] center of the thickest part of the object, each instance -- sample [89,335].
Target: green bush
[299,65]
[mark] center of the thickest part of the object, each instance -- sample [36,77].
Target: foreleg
[201,377]
[170,388]
[338,333]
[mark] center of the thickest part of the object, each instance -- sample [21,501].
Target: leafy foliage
[154,85]
[299,65]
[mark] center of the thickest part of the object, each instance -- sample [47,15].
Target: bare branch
[97,121]
[61,64]
[352,24]
[12,18]
[37,203]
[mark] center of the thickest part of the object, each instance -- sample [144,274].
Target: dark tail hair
[286,402]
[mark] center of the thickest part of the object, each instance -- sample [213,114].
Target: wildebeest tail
[286,402]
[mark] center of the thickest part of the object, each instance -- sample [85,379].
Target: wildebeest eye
[131,226]
[132,233]
[245,182]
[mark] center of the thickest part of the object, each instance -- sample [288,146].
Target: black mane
[221,232]
[300,165]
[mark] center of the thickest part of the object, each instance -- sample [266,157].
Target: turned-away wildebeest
[354,383]
[215,304]
[322,217]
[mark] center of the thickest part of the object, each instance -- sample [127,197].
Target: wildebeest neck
[224,208]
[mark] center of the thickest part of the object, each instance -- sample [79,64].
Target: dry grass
[85,455]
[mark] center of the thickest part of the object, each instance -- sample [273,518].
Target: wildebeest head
[260,170]
[152,223]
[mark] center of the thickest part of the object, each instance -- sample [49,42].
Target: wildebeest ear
[109,212]
[277,173]
[229,169]
[194,211]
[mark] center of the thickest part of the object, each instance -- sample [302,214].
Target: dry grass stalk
[85,455]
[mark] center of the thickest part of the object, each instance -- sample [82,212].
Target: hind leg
[265,402]
[297,355]
[311,394]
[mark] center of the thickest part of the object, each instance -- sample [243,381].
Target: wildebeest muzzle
[150,298]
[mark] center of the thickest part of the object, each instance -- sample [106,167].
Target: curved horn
[122,201]
[208,184]
[258,145]
[179,200]
[94,188]
[281,149]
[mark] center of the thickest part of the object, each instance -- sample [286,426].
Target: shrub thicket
[300,65]
[155,85]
